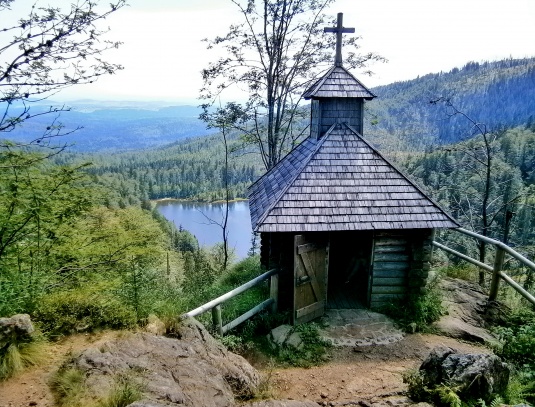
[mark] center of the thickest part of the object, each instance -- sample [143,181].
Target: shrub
[517,339]
[242,272]
[84,309]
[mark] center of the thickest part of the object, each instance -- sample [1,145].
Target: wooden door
[310,278]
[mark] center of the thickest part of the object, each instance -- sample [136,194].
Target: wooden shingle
[340,182]
[338,83]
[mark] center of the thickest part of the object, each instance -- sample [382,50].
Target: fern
[448,395]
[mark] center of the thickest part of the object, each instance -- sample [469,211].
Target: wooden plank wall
[391,265]
[315,119]
[338,110]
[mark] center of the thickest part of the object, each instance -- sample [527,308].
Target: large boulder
[477,376]
[467,306]
[18,328]
[194,370]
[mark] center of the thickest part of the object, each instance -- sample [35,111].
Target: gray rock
[467,305]
[283,403]
[192,371]
[283,335]
[279,334]
[294,341]
[16,328]
[477,375]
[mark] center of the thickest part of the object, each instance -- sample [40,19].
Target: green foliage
[83,309]
[242,272]
[517,339]
[491,91]
[189,169]
[448,395]
[37,202]
[521,388]
[20,353]
[418,311]
[518,344]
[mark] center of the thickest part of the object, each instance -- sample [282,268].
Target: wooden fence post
[217,320]
[274,292]
[498,264]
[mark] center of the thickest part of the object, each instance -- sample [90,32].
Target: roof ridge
[359,82]
[402,173]
[320,82]
[294,177]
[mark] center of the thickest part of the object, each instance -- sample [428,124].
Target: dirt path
[370,373]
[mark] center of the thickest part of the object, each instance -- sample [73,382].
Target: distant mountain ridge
[118,126]
[498,94]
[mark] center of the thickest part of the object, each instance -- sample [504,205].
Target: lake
[195,217]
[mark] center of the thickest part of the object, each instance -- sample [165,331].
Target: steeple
[337,97]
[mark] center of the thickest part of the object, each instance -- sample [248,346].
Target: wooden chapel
[343,225]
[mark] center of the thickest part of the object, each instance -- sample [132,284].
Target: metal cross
[339,30]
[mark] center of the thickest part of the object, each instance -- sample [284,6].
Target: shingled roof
[338,82]
[340,182]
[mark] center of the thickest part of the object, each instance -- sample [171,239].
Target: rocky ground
[371,374]
[197,371]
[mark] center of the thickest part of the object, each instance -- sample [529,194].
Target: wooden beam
[217,321]
[231,294]
[498,264]
[463,256]
[252,312]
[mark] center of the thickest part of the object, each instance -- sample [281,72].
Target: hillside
[498,94]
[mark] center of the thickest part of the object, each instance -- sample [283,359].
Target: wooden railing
[215,305]
[497,273]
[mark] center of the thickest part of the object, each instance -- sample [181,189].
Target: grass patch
[462,271]
[69,387]
[82,310]
[20,354]
[123,393]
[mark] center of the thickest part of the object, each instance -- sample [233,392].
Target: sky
[163,53]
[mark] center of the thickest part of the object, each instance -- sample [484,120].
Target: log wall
[401,262]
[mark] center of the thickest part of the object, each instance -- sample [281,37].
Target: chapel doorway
[350,254]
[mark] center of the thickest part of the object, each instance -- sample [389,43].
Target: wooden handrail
[499,244]
[497,273]
[215,305]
